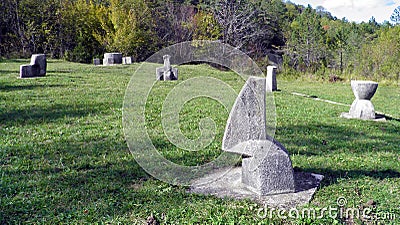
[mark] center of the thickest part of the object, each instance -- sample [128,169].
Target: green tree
[127,26]
[379,59]
[305,45]
[80,23]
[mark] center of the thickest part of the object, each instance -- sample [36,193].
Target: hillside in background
[302,40]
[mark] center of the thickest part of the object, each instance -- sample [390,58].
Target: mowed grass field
[64,159]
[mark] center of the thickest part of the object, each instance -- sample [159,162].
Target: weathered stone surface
[362,107]
[271,79]
[269,170]
[29,71]
[96,62]
[127,60]
[166,72]
[112,58]
[247,118]
[40,60]
[364,90]
[266,174]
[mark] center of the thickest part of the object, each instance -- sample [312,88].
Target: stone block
[127,60]
[40,60]
[271,79]
[29,71]
[112,58]
[269,171]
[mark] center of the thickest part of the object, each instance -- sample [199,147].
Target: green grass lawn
[63,157]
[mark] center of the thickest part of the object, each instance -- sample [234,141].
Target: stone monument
[112,58]
[127,60]
[36,68]
[271,79]
[266,173]
[362,107]
[266,166]
[166,72]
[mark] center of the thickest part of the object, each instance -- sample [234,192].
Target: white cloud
[356,10]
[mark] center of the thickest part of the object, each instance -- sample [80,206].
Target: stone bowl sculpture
[364,90]
[362,107]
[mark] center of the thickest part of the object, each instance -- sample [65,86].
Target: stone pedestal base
[362,109]
[228,183]
[112,58]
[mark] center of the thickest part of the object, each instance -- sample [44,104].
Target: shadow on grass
[332,176]
[39,115]
[322,139]
[9,71]
[27,87]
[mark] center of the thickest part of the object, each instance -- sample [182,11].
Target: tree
[305,47]
[395,17]
[379,59]
[243,23]
[127,26]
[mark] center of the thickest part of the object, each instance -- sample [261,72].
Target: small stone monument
[271,79]
[166,72]
[266,174]
[36,68]
[96,62]
[112,58]
[127,60]
[362,107]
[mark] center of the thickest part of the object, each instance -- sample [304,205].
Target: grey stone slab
[40,60]
[112,58]
[247,118]
[127,60]
[271,79]
[29,71]
[227,183]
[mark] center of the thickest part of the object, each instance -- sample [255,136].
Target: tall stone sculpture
[266,166]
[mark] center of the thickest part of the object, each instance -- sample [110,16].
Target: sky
[356,10]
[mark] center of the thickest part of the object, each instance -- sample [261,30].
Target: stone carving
[36,68]
[266,166]
[166,72]
[112,58]
[266,174]
[362,107]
